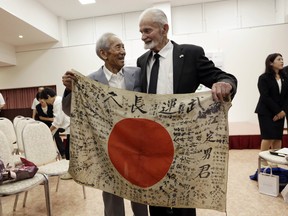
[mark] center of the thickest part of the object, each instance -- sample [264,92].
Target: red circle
[141,150]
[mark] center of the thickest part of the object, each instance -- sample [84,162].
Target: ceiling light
[87,1]
[20,36]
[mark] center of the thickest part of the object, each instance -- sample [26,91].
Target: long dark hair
[270,59]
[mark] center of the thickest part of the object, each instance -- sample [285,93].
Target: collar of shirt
[114,80]
[166,50]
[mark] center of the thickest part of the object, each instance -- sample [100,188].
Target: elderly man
[111,50]
[170,68]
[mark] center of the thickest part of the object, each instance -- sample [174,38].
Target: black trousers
[67,147]
[59,142]
[164,211]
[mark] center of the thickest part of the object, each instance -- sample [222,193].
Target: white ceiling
[72,9]
[11,26]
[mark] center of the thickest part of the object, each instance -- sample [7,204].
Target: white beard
[150,45]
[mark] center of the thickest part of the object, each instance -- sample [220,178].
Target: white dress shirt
[165,75]
[115,80]
[61,120]
[34,103]
[279,84]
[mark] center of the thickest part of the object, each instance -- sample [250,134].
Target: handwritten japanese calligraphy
[161,150]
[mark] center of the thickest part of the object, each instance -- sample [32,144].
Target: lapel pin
[181,56]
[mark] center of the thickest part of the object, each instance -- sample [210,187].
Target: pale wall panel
[257,12]
[286,11]
[221,15]
[131,26]
[113,23]
[81,31]
[187,19]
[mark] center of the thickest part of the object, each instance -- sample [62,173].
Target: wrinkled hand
[67,79]
[221,91]
[279,116]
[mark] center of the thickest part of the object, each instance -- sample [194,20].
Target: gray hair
[103,43]
[157,16]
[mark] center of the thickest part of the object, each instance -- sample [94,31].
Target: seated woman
[44,113]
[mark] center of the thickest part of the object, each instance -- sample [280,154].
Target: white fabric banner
[161,150]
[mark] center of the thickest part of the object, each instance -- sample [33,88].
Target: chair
[40,148]
[20,124]
[6,126]
[16,119]
[15,188]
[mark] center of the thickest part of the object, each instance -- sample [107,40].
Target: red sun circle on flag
[141,150]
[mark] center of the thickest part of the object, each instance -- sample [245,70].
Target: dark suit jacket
[285,70]
[271,102]
[131,79]
[190,69]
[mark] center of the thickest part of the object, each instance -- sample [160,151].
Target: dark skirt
[269,129]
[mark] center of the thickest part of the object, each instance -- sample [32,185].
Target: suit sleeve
[137,83]
[66,102]
[210,74]
[265,96]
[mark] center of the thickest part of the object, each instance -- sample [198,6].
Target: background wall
[240,33]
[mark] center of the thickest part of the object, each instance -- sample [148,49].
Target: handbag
[24,171]
[268,183]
